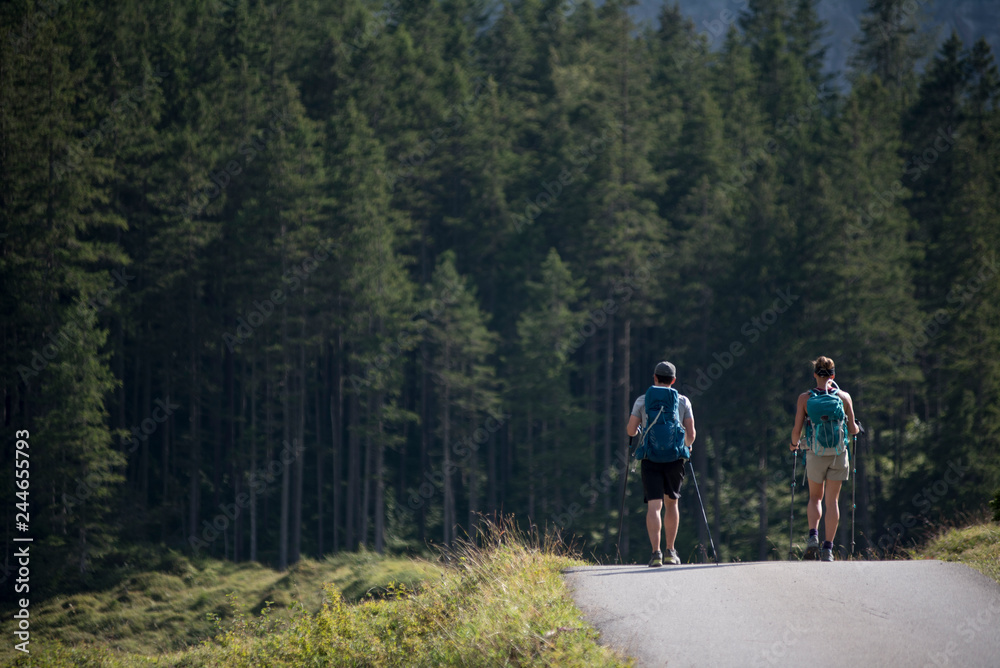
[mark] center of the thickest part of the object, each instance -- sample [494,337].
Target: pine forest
[282,279]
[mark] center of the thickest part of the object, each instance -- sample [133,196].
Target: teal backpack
[826,430]
[663,439]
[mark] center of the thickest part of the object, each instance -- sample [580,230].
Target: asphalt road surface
[803,614]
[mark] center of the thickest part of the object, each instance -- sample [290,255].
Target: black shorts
[659,480]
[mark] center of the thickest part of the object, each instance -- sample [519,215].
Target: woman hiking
[827,413]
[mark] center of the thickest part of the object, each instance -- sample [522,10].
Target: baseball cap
[665,369]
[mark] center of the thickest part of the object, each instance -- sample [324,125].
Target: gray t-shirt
[683,409]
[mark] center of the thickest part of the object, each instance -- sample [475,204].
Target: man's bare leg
[653,507]
[671,519]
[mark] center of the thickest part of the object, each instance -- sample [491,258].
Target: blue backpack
[826,430]
[663,439]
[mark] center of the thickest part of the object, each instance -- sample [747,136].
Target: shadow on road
[628,569]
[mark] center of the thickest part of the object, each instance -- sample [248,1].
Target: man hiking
[827,413]
[667,436]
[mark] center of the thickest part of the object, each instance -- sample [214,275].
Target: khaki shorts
[829,467]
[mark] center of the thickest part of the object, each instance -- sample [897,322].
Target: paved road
[802,614]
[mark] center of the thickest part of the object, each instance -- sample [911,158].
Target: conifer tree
[58,253]
[964,349]
[890,46]
[461,346]
[864,253]
[549,419]
[378,304]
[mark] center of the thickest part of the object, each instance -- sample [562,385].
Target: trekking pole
[703,515]
[854,487]
[621,511]
[854,481]
[791,512]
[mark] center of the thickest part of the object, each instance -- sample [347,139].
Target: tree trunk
[700,461]
[353,472]
[141,364]
[402,468]
[425,435]
[592,394]
[194,490]
[223,422]
[491,475]
[299,444]
[337,436]
[239,459]
[762,484]
[864,497]
[165,455]
[716,495]
[380,485]
[609,360]
[366,480]
[286,429]
[473,487]
[146,445]
[449,508]
[253,455]
[507,448]
[529,448]
[626,344]
[268,430]
[320,369]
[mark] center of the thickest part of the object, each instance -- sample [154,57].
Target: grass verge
[178,603]
[500,601]
[977,545]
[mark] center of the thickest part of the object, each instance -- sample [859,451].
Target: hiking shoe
[827,554]
[812,549]
[673,558]
[657,560]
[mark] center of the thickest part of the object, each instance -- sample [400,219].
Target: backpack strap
[648,429]
[809,429]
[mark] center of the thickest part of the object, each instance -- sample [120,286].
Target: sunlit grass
[499,600]
[977,545]
[161,612]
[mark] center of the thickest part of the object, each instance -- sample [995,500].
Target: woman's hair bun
[822,364]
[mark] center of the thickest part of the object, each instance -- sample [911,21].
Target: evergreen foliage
[287,279]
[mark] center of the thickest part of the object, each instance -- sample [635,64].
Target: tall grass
[177,603]
[502,601]
[499,600]
[977,545]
